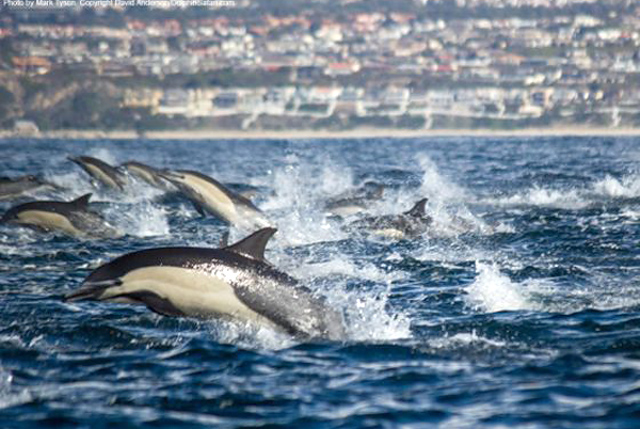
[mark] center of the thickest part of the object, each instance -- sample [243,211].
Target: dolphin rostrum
[233,282]
[101,172]
[73,218]
[209,195]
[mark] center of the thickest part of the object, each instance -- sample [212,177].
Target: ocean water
[520,307]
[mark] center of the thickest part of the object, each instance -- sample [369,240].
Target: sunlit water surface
[519,308]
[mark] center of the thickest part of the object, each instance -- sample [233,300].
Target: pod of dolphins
[233,282]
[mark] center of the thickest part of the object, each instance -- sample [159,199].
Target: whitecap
[493,291]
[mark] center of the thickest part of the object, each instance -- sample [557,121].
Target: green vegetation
[86,110]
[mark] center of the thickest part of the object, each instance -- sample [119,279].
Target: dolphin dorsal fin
[418,209]
[253,246]
[83,201]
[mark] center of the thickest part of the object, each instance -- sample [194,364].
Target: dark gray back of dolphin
[228,192]
[85,221]
[112,177]
[14,187]
[59,207]
[150,174]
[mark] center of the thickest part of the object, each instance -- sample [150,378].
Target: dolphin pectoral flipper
[201,211]
[153,301]
[92,290]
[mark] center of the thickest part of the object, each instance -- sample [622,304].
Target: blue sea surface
[520,307]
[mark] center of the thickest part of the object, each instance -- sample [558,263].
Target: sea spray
[296,207]
[492,291]
[626,187]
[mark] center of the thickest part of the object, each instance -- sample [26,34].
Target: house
[32,65]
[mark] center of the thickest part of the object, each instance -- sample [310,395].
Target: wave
[466,339]
[544,197]
[626,187]
[574,198]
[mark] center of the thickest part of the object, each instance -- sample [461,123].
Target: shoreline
[320,134]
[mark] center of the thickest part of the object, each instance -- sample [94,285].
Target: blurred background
[143,65]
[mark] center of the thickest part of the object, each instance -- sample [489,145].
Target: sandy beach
[320,134]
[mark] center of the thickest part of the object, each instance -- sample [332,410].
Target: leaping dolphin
[209,195]
[355,201]
[73,218]
[146,173]
[233,282]
[101,172]
[15,187]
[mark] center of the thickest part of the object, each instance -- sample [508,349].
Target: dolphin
[101,172]
[355,201]
[15,187]
[210,196]
[73,218]
[409,224]
[234,283]
[146,173]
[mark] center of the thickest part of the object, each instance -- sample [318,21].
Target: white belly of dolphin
[194,293]
[214,198]
[102,176]
[393,233]
[49,221]
[346,210]
[143,174]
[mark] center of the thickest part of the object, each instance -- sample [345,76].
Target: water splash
[435,186]
[493,291]
[447,203]
[368,318]
[545,197]
[248,336]
[296,208]
[626,187]
[361,294]
[574,198]
[141,220]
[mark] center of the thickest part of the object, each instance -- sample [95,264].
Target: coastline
[320,134]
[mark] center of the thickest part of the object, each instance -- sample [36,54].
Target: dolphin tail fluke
[92,291]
